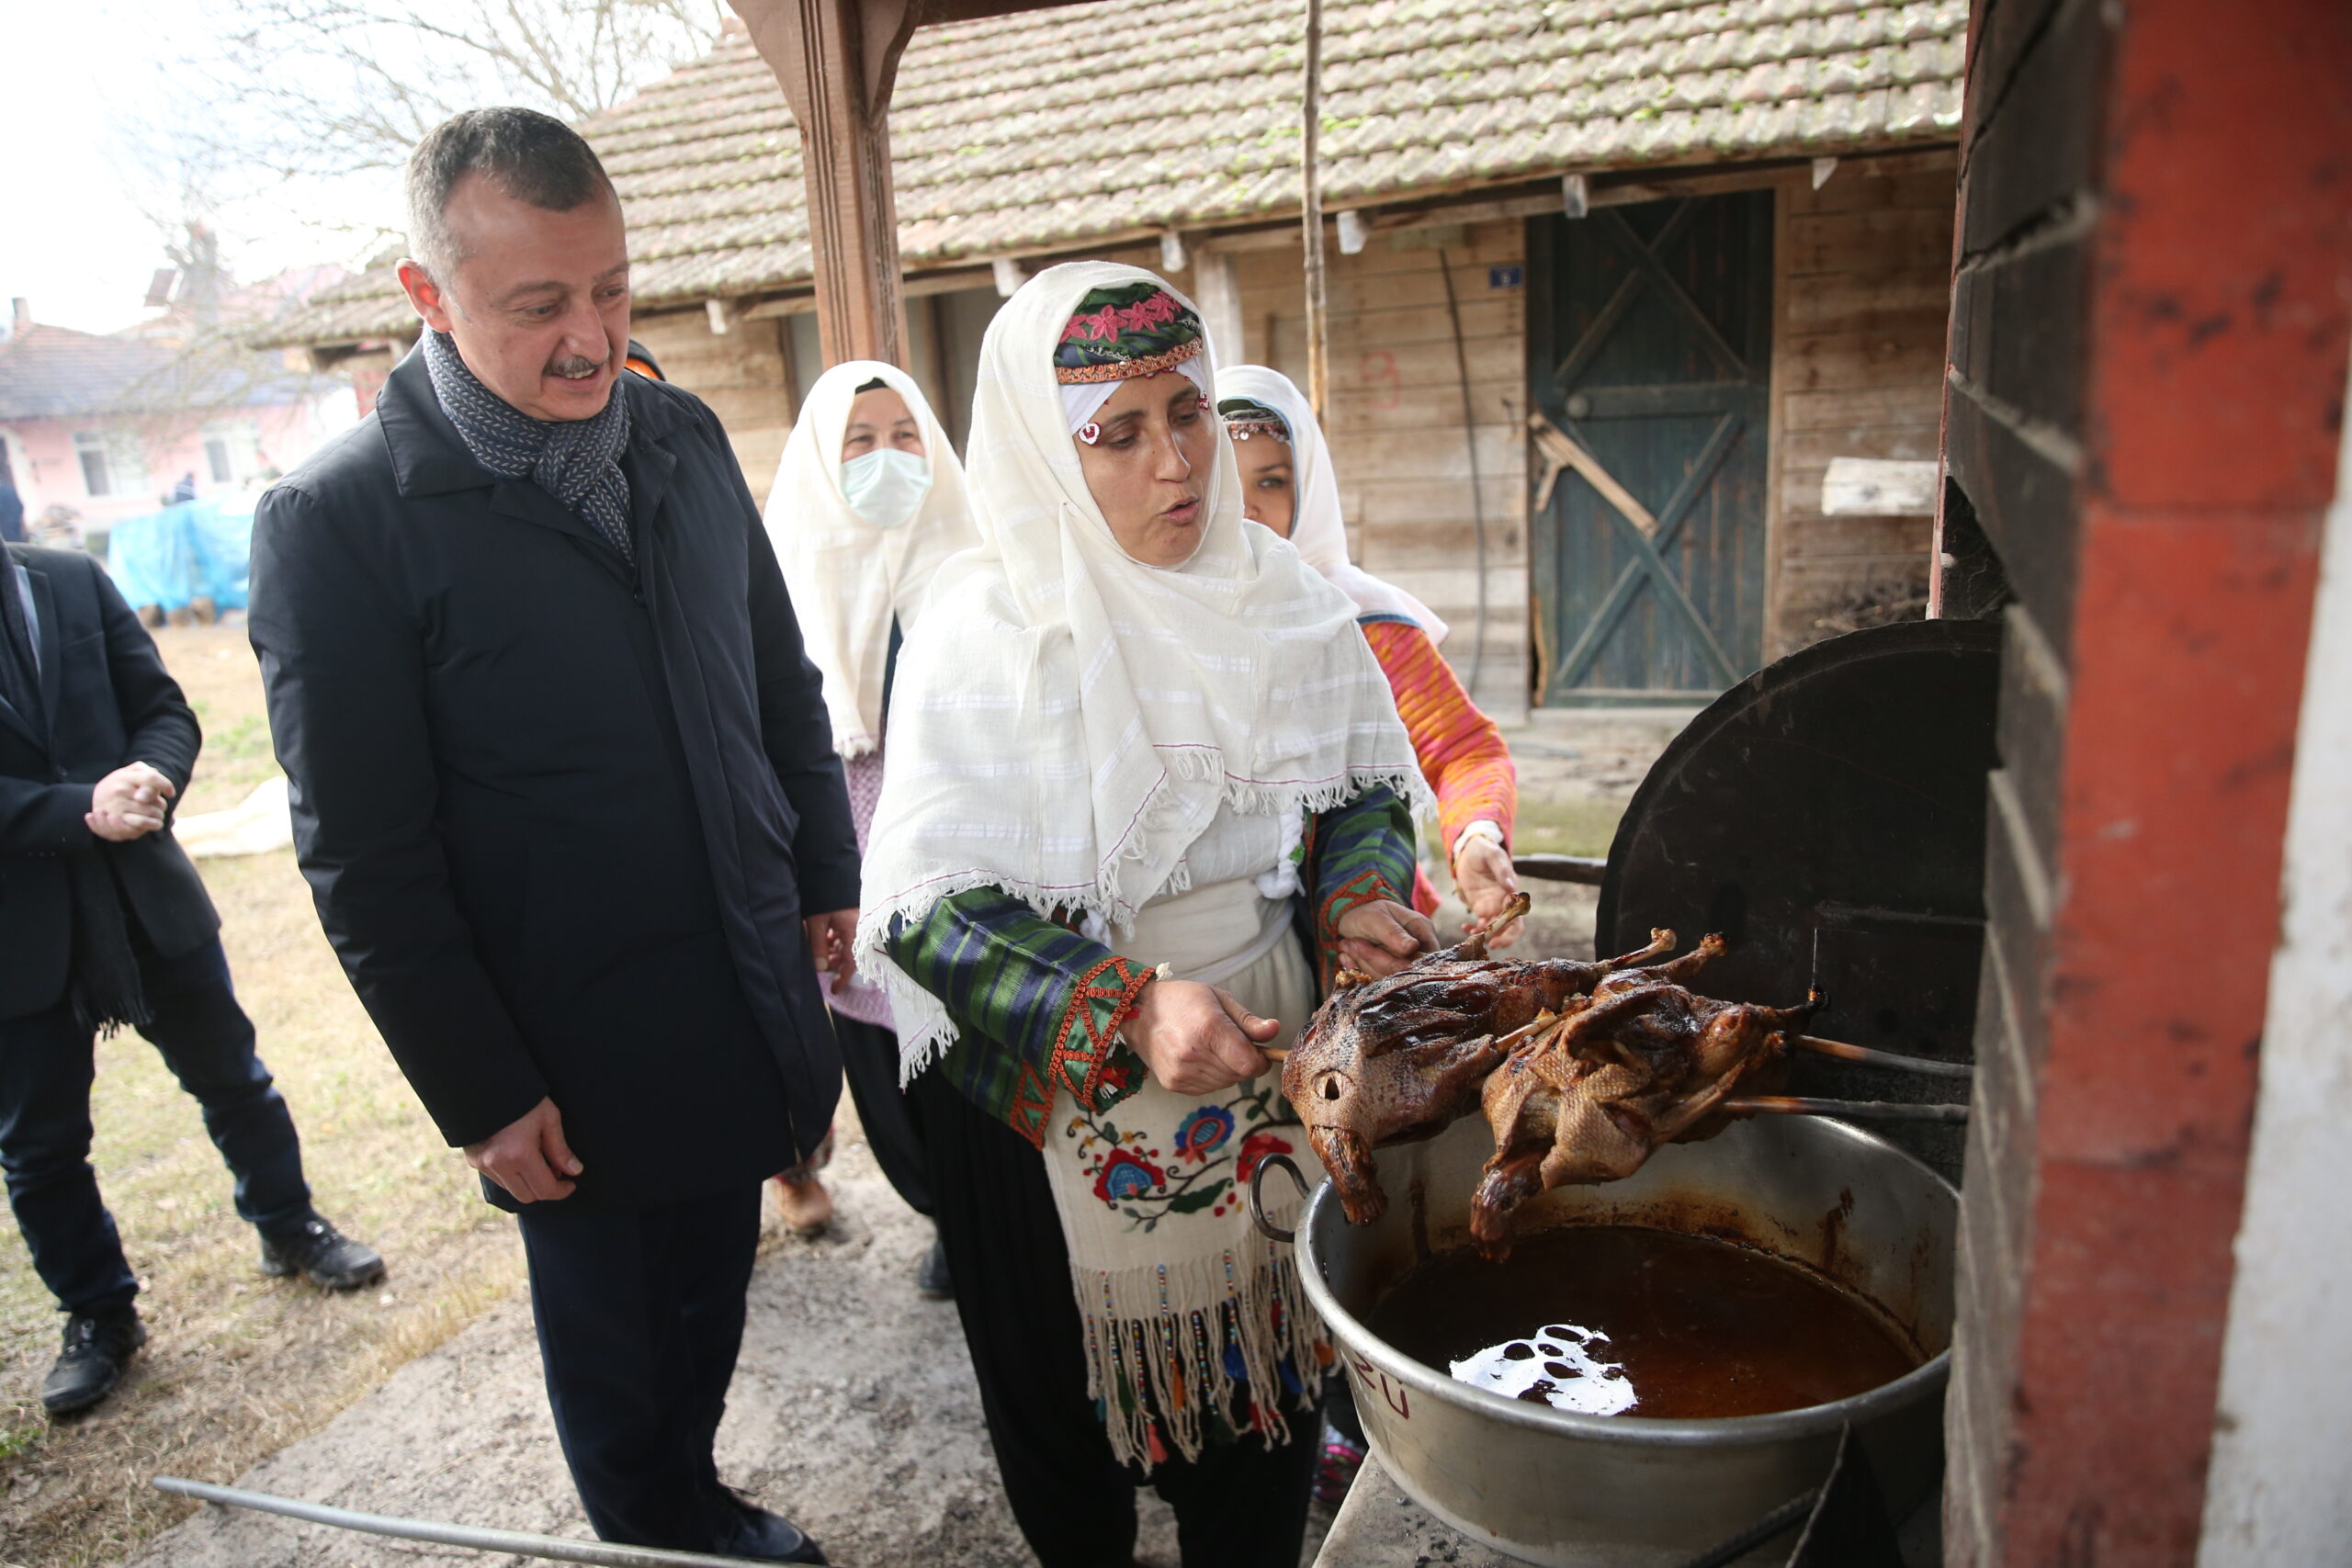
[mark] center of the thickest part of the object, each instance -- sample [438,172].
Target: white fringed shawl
[849,578]
[1067,720]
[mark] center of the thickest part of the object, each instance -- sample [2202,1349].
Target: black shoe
[933,1282]
[98,1346]
[745,1529]
[321,1254]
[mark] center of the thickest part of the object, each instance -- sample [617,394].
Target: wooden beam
[1880,487]
[1562,451]
[911,287]
[1310,198]
[836,61]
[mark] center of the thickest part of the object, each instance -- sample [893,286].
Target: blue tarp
[197,550]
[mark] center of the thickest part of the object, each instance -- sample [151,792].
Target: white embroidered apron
[1188,1311]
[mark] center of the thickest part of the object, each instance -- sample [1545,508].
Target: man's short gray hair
[532,157]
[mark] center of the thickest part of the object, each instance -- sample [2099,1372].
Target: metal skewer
[1864,1109]
[1845,1053]
[1502,1042]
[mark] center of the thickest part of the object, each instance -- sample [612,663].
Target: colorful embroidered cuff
[1367,887]
[1090,1060]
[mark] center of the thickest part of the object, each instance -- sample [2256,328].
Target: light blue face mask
[885,487]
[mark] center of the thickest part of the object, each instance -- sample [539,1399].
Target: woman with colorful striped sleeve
[1287,484]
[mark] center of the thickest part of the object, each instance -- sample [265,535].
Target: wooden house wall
[1395,421]
[1863,272]
[740,373]
[1864,285]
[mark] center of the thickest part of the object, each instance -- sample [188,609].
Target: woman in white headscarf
[1147,782]
[1288,485]
[868,503]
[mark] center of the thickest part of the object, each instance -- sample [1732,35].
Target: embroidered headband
[1117,334]
[1244,418]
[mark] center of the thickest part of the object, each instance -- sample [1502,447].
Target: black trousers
[47,1064]
[1238,1506]
[640,1316]
[892,1121]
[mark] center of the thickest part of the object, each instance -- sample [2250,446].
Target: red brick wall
[2149,347]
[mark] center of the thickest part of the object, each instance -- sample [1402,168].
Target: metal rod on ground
[1860,1109]
[519,1544]
[1845,1053]
[1310,202]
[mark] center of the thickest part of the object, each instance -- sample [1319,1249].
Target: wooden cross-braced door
[1649,349]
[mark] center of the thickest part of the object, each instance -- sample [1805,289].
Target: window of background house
[808,358]
[232,451]
[98,473]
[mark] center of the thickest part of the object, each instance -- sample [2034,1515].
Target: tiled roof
[1050,128]
[49,372]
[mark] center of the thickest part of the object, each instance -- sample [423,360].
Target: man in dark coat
[103,922]
[565,790]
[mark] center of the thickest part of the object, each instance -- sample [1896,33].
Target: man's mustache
[575,366]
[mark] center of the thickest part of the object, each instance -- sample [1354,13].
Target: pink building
[109,424]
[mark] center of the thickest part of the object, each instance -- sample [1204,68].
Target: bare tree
[331,88]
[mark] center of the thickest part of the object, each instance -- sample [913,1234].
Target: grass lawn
[1568,825]
[237,1366]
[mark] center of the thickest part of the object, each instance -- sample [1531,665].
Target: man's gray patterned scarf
[575,460]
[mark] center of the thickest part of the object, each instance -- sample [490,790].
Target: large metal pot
[1573,1491]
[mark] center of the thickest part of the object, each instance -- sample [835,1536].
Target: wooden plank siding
[1865,281]
[2041,164]
[740,374]
[1859,325]
[1395,422]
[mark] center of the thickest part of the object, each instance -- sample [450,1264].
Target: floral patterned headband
[1119,334]
[1244,417]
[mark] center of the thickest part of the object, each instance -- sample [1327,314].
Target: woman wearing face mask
[867,502]
[1287,485]
[1147,785]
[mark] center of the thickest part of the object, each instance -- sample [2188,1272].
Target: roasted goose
[1388,1061]
[1643,1062]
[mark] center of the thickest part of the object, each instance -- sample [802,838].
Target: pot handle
[1267,1227]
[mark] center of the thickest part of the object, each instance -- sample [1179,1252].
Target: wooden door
[1648,356]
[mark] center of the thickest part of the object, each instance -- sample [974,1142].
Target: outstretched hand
[1381,937]
[1197,1039]
[1484,877]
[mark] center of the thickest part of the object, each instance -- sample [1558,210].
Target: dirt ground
[854,1412]
[854,1409]
[238,1366]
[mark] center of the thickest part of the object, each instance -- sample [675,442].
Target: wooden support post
[836,61]
[1311,206]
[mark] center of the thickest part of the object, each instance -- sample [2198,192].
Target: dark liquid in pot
[1613,1320]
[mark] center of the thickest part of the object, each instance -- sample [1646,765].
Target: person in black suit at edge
[565,789]
[104,922]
